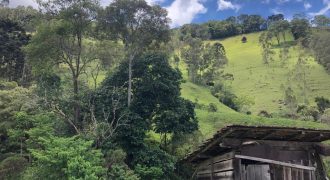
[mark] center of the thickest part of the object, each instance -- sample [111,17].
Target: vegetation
[91,92]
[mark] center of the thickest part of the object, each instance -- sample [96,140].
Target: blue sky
[197,11]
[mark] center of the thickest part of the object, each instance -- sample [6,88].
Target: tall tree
[138,25]
[203,60]
[61,40]
[12,59]
[266,47]
[279,28]
[157,106]
[273,18]
[27,17]
[321,21]
[300,27]
[320,45]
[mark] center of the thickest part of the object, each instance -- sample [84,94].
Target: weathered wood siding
[219,167]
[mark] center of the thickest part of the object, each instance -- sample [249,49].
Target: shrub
[264,113]
[244,39]
[212,107]
[11,167]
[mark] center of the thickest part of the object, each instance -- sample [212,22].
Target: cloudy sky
[197,11]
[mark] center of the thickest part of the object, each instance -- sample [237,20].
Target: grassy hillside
[260,82]
[265,83]
[212,121]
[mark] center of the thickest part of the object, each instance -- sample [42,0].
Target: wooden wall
[219,167]
[227,167]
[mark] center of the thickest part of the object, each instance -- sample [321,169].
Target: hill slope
[254,79]
[265,83]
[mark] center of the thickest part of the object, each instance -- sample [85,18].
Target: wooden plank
[224,157]
[224,166]
[276,162]
[227,175]
[215,159]
[237,168]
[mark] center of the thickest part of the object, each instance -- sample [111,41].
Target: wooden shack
[261,153]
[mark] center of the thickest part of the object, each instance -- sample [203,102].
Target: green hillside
[260,82]
[264,83]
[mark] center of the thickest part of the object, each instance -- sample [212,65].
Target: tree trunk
[278,39]
[76,106]
[129,90]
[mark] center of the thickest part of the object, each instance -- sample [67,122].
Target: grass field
[210,122]
[258,81]
[264,83]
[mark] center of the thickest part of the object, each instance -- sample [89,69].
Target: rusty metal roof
[257,133]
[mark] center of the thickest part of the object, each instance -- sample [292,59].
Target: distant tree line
[229,27]
[244,23]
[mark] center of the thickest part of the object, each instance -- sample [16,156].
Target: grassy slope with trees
[113,97]
[257,80]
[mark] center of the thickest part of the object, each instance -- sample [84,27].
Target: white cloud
[276,11]
[225,5]
[184,11]
[322,11]
[265,1]
[15,3]
[307,5]
[282,1]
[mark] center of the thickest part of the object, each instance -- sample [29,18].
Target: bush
[308,112]
[119,172]
[11,167]
[264,113]
[244,39]
[212,108]
[322,103]
[225,96]
[68,158]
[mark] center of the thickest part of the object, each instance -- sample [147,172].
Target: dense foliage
[90,92]
[13,37]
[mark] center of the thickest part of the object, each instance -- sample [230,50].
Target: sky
[197,11]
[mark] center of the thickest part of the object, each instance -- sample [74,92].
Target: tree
[138,25]
[266,47]
[26,17]
[300,27]
[322,103]
[279,28]
[290,100]
[320,45]
[284,54]
[12,59]
[321,21]
[244,39]
[157,103]
[273,18]
[300,73]
[203,60]
[61,41]
[250,23]
[192,56]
